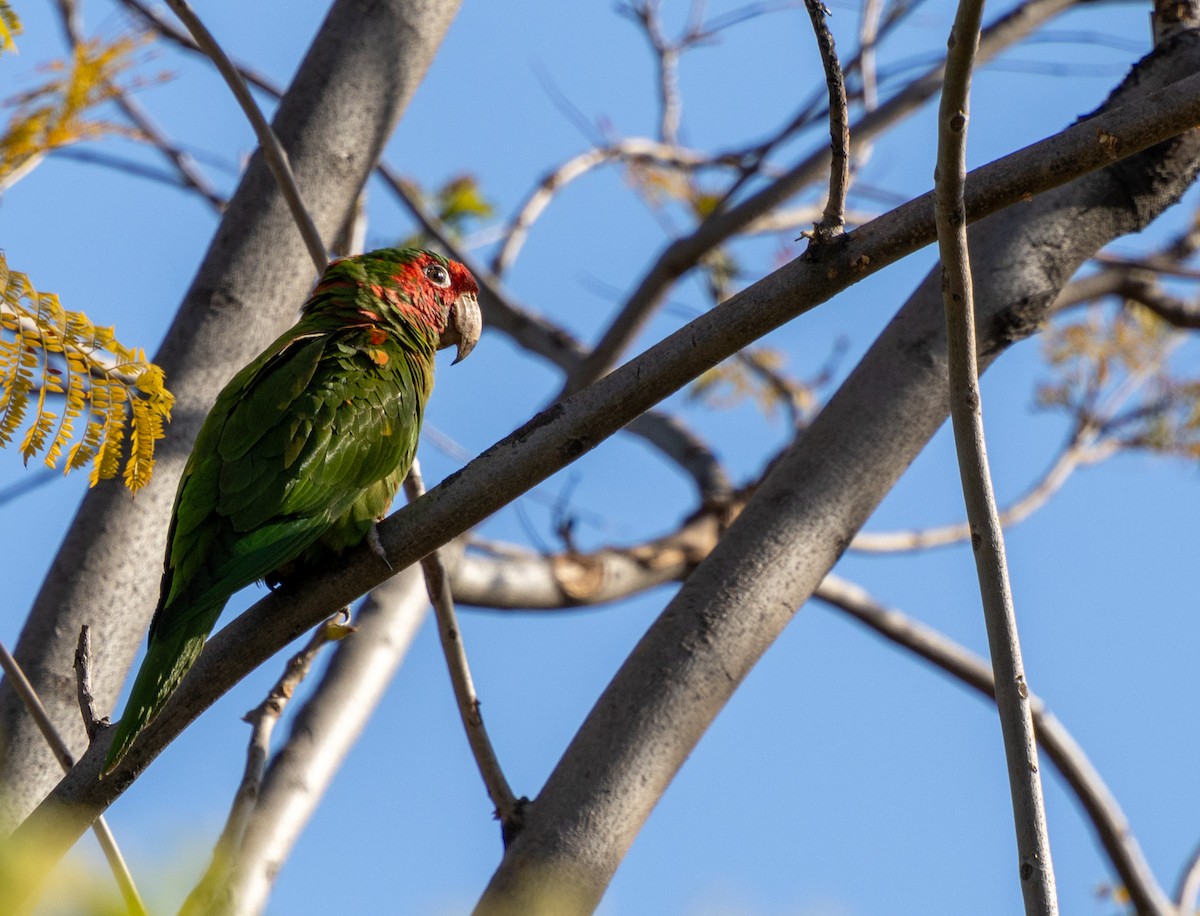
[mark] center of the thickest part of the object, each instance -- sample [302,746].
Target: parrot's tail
[167,661]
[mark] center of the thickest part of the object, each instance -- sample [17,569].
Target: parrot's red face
[443,294]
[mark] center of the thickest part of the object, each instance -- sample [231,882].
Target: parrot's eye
[437,275]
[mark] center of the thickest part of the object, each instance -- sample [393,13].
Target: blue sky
[844,777]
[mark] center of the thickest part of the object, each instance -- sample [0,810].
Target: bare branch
[833,221]
[868,38]
[1104,814]
[508,806]
[1187,896]
[322,733]
[165,29]
[1035,868]
[630,149]
[273,151]
[212,892]
[83,682]
[682,254]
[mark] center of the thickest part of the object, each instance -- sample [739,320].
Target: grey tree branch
[211,894]
[322,733]
[347,95]
[108,843]
[273,152]
[1035,868]
[842,466]
[630,149]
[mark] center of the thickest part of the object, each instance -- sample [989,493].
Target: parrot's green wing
[300,441]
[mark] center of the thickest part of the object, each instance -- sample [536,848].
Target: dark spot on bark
[1026,871]
[1016,321]
[957,122]
[572,448]
[549,415]
[976,540]
[842,544]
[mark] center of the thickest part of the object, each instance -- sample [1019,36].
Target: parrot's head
[405,287]
[458,294]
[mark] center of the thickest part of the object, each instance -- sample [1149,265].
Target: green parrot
[303,450]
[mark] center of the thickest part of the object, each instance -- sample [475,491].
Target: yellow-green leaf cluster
[459,205]
[10,27]
[79,380]
[1096,356]
[60,111]
[756,374]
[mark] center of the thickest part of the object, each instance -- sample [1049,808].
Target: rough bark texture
[795,527]
[349,92]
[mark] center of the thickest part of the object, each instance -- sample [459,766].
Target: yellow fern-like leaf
[73,372]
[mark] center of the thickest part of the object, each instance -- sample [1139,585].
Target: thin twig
[508,806]
[158,23]
[1102,809]
[108,843]
[683,253]
[868,41]
[1090,443]
[83,681]
[189,175]
[833,222]
[273,152]
[1187,896]
[1035,869]
[205,896]
[628,150]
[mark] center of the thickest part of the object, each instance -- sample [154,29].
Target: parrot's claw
[376,545]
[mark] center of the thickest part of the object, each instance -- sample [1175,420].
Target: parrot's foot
[376,545]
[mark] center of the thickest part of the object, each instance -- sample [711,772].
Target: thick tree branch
[846,461]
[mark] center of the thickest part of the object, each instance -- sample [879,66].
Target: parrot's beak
[464,325]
